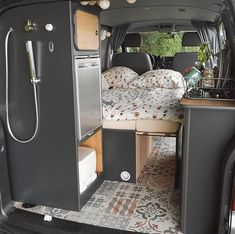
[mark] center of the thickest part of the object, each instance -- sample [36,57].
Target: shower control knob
[29,26]
[49,27]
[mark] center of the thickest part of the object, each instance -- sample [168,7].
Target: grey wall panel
[5,193]
[207,133]
[45,170]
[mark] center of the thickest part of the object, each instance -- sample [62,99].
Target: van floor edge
[59,226]
[150,206]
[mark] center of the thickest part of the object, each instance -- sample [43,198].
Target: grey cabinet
[207,130]
[87,31]
[119,154]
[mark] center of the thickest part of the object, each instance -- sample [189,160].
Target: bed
[142,103]
[144,106]
[149,103]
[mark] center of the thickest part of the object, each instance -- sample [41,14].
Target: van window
[162,44]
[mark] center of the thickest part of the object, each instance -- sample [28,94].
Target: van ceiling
[167,11]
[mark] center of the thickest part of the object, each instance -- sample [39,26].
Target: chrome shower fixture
[29,26]
[34,81]
[29,50]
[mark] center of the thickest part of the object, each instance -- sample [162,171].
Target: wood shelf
[95,142]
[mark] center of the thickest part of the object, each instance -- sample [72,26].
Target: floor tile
[150,206]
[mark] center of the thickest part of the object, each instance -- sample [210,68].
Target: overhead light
[92,3]
[104,34]
[104,4]
[84,3]
[108,34]
[131,1]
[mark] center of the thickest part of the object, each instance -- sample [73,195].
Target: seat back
[138,61]
[183,60]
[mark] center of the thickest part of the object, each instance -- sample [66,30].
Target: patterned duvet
[142,103]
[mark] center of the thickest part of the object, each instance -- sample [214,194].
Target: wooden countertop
[210,103]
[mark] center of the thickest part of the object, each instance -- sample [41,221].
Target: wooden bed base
[143,132]
[144,147]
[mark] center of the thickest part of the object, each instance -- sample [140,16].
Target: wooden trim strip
[209,103]
[165,134]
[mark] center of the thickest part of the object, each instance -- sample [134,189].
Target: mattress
[143,104]
[144,126]
[121,125]
[87,167]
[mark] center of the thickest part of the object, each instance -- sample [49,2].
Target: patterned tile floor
[150,206]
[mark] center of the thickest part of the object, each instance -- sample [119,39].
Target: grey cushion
[133,40]
[139,62]
[191,39]
[183,60]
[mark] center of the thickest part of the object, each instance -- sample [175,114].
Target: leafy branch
[204,53]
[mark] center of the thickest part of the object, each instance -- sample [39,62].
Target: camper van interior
[117,116]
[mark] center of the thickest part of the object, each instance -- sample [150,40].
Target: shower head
[29,50]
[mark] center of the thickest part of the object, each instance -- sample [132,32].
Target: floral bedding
[142,103]
[118,77]
[161,78]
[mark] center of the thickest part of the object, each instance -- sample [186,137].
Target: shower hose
[7,98]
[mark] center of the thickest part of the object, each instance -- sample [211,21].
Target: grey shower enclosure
[44,171]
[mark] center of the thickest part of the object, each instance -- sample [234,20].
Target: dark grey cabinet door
[119,154]
[206,134]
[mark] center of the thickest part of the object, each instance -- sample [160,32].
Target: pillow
[161,78]
[119,77]
[105,85]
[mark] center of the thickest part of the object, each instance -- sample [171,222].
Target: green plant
[163,44]
[204,53]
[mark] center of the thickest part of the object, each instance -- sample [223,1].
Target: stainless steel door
[88,93]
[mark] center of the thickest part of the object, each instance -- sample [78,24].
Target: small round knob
[49,27]
[125,176]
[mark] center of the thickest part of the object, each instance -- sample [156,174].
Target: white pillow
[161,78]
[119,77]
